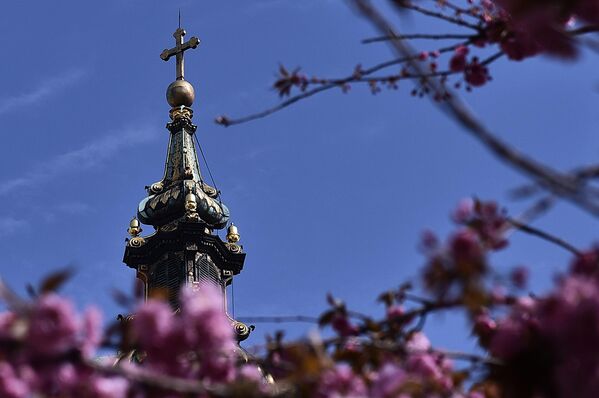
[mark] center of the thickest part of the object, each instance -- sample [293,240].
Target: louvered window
[168,275]
[206,270]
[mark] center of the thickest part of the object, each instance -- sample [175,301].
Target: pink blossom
[152,323]
[92,332]
[586,263]
[418,342]
[53,326]
[475,73]
[484,325]
[202,313]
[387,381]
[465,208]
[339,382]
[431,367]
[7,320]
[519,44]
[342,325]
[11,386]
[66,376]
[108,387]
[519,277]
[510,338]
[395,311]
[429,241]
[457,63]
[251,373]
[465,247]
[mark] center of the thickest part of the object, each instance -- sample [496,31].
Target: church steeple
[183,210]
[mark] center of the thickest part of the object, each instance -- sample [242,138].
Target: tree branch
[544,235]
[226,121]
[438,15]
[421,36]
[415,36]
[555,182]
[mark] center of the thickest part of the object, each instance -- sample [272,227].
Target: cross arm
[191,43]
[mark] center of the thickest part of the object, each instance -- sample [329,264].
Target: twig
[421,36]
[544,235]
[473,12]
[162,381]
[540,207]
[402,76]
[467,357]
[553,181]
[438,15]
[225,121]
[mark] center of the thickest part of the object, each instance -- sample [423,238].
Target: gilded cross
[179,49]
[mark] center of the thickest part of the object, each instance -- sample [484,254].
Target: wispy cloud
[90,155]
[11,225]
[48,88]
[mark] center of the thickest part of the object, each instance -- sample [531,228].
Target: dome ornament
[134,230]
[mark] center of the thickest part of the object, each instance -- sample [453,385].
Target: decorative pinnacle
[134,227]
[180,92]
[232,234]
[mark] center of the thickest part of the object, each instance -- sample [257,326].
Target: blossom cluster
[458,269]
[48,350]
[44,345]
[540,346]
[519,29]
[548,345]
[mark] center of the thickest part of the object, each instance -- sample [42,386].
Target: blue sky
[330,195]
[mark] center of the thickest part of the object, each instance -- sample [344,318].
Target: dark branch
[584,29]
[438,15]
[544,235]
[421,36]
[225,121]
[447,36]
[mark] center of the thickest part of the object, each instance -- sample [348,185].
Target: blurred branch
[574,32]
[544,235]
[584,29]
[580,174]
[160,381]
[555,182]
[540,207]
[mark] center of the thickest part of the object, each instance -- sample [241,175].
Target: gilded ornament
[134,227]
[233,247]
[156,187]
[136,241]
[191,204]
[242,331]
[233,234]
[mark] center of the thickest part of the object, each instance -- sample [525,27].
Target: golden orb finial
[180,93]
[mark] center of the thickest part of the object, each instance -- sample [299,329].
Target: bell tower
[183,211]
